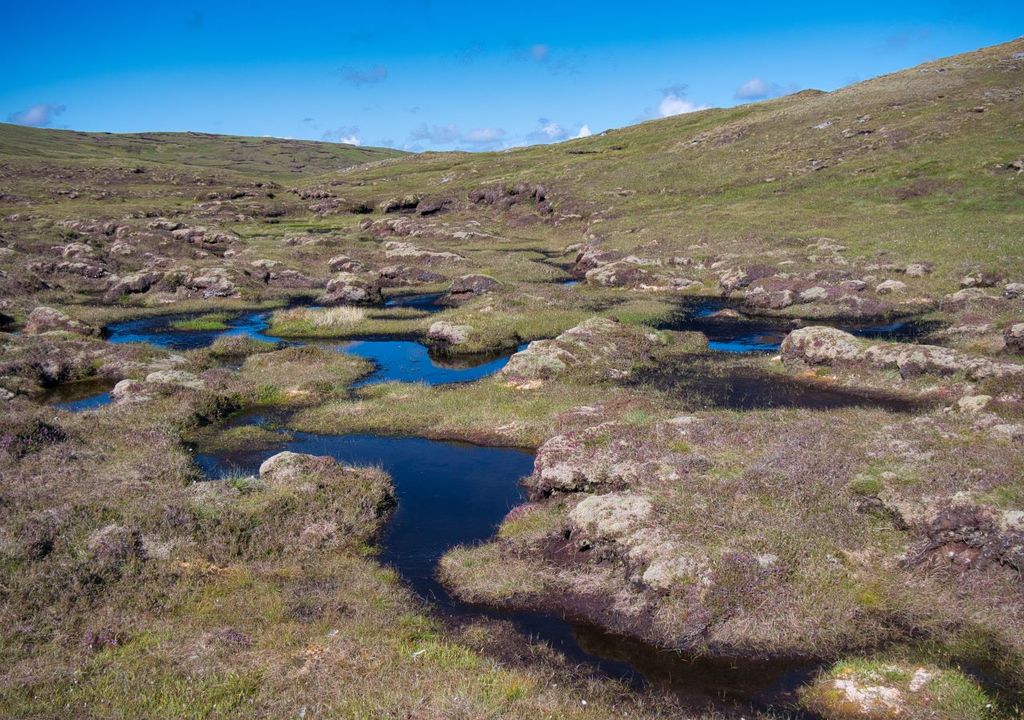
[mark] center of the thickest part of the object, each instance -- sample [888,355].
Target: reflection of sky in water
[396,360]
[746,335]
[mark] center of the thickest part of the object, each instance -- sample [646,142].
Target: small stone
[887,287]
[973,404]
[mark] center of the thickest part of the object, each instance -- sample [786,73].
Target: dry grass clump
[321,318]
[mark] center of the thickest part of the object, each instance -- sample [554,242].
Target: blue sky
[428,74]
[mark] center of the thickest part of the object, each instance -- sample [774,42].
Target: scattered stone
[817,345]
[133,284]
[890,286]
[47,319]
[980,280]
[1013,336]
[470,285]
[350,289]
[180,378]
[918,269]
[813,294]
[973,404]
[1013,291]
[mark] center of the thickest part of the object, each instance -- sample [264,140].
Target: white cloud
[41,115]
[757,88]
[753,89]
[449,136]
[546,132]
[347,134]
[483,136]
[584,131]
[673,104]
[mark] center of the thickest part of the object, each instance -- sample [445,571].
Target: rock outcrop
[828,346]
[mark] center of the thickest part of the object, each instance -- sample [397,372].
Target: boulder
[133,284]
[114,546]
[406,250]
[47,319]
[179,378]
[446,333]
[602,347]
[610,516]
[1013,291]
[350,289]
[590,256]
[343,263]
[828,346]
[738,278]
[888,287]
[872,689]
[1014,338]
[979,280]
[818,345]
[918,269]
[813,294]
[406,275]
[470,285]
[631,272]
[292,279]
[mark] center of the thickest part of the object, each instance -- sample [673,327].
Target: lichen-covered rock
[343,263]
[350,289]
[470,285]
[601,347]
[819,345]
[827,346]
[447,333]
[336,501]
[407,275]
[590,256]
[47,319]
[1014,338]
[133,284]
[114,546]
[179,378]
[396,249]
[918,269]
[293,280]
[888,287]
[130,391]
[637,274]
[865,689]
[1013,291]
[611,516]
[738,278]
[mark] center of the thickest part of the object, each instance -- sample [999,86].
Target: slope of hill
[923,164]
[840,510]
[271,158]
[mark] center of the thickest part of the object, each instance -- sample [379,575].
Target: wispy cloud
[41,115]
[549,131]
[364,76]
[675,102]
[542,55]
[347,134]
[450,136]
[757,88]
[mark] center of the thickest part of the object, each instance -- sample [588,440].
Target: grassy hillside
[271,158]
[914,165]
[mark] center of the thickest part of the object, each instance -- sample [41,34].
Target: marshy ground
[715,416]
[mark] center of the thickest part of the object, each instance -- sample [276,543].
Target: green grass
[209,322]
